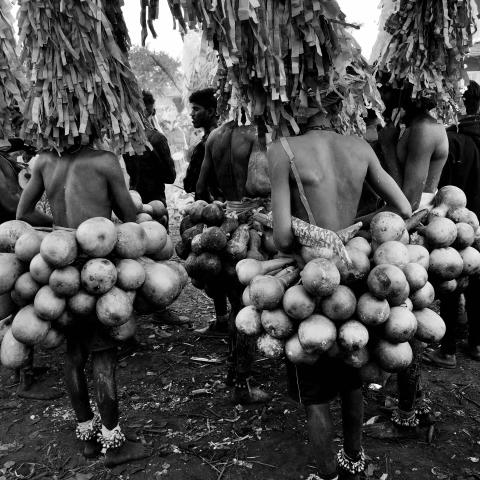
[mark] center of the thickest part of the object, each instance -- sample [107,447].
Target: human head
[391,100]
[471,98]
[204,108]
[149,102]
[416,107]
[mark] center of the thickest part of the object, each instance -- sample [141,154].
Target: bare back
[230,147]
[83,185]
[422,152]
[332,169]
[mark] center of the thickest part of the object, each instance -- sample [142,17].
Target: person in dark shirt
[462,170]
[151,171]
[204,115]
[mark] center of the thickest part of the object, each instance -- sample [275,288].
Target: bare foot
[91,449]
[128,452]
[389,431]
[38,391]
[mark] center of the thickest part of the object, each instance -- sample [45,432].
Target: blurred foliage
[157,72]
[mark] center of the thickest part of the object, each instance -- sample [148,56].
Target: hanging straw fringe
[427,45]
[81,82]
[268,48]
[11,79]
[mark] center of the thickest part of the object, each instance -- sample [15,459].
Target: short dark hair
[147,97]
[471,98]
[205,98]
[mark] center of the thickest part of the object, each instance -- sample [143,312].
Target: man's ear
[212,112]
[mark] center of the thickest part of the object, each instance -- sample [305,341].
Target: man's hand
[32,193]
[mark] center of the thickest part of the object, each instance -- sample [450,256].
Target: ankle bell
[111,438]
[88,430]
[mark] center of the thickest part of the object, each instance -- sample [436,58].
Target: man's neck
[208,129]
[320,121]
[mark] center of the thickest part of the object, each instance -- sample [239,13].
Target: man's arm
[279,173]
[201,189]
[388,139]
[386,187]
[33,192]
[162,150]
[122,202]
[420,149]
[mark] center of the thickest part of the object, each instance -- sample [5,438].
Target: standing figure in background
[80,184]
[225,168]
[150,171]
[28,386]
[462,170]
[415,161]
[204,116]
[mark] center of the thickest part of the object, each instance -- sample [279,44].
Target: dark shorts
[92,335]
[321,382]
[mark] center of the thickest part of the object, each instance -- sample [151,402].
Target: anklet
[349,464]
[244,383]
[111,438]
[424,407]
[89,429]
[405,419]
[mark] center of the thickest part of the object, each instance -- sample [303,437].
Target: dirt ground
[173,398]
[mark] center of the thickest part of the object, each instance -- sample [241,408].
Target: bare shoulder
[276,154]
[215,134]
[103,161]
[355,142]
[246,132]
[427,125]
[45,158]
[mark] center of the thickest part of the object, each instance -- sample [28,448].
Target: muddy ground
[173,397]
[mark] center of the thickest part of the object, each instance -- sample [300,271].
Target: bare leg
[320,433]
[104,363]
[76,383]
[352,420]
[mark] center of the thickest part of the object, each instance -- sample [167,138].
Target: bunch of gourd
[452,236]
[365,312]
[212,242]
[53,281]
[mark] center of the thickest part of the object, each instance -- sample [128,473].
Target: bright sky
[363,12]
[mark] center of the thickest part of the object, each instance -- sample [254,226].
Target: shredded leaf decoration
[11,78]
[113,11]
[149,12]
[80,79]
[275,54]
[426,46]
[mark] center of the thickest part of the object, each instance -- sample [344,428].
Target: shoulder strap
[296,175]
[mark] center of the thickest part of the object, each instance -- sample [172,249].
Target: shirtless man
[28,387]
[419,156]
[415,159]
[81,184]
[332,170]
[227,153]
